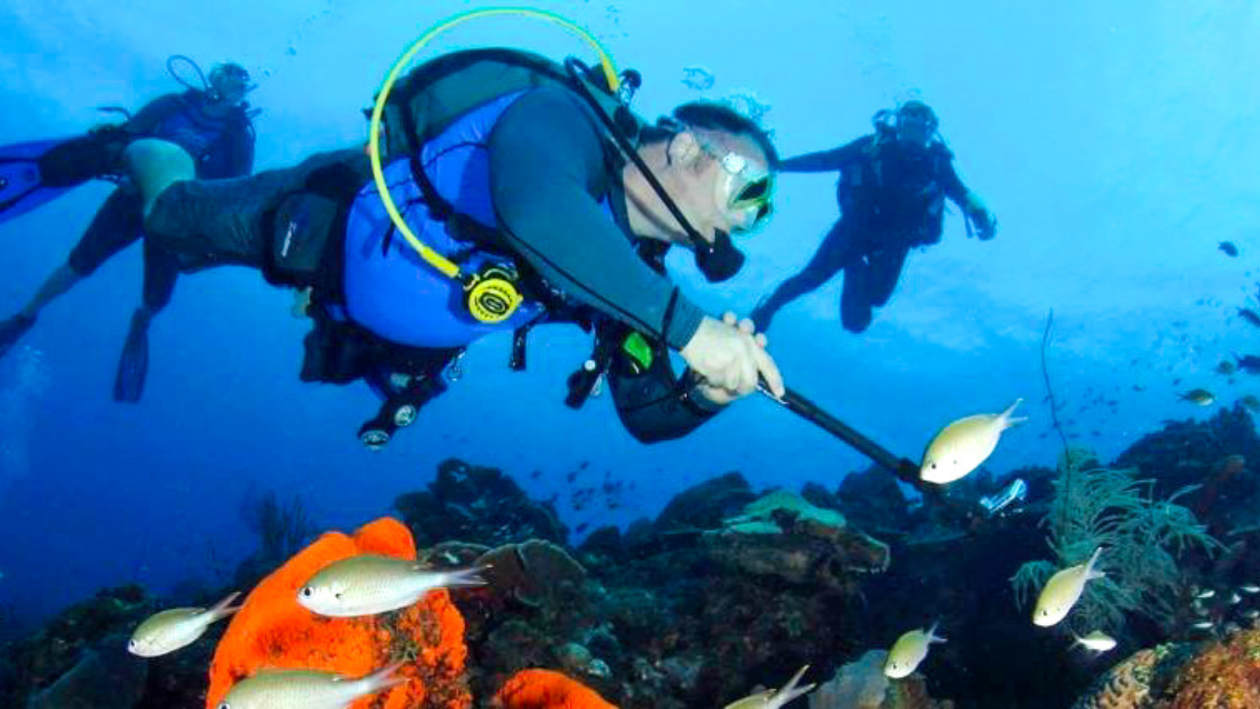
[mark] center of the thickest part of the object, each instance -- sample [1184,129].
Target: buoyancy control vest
[438,174]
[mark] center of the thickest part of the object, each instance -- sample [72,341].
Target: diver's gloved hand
[980,217]
[730,359]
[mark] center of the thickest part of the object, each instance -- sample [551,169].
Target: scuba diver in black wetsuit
[539,199]
[891,192]
[211,124]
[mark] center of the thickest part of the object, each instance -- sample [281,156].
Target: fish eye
[225,705]
[337,596]
[933,466]
[308,592]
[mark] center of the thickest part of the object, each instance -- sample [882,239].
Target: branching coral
[544,689]
[1141,537]
[273,631]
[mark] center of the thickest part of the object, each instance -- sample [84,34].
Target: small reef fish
[773,699]
[1251,402]
[1204,625]
[909,651]
[1229,248]
[1249,315]
[963,445]
[172,629]
[1204,595]
[306,689]
[1098,641]
[1249,588]
[1234,599]
[1226,367]
[1063,590]
[369,584]
[1199,397]
[1252,614]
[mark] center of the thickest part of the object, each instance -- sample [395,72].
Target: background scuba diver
[891,192]
[530,183]
[211,123]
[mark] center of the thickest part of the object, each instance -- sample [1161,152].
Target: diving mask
[746,188]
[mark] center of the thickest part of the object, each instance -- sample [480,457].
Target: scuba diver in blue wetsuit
[211,124]
[891,192]
[539,198]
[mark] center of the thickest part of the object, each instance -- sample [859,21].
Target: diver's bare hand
[730,359]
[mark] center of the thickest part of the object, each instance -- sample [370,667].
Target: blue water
[1116,143]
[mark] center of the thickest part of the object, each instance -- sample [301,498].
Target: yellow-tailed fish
[172,629]
[963,445]
[773,699]
[1063,590]
[1098,641]
[910,650]
[306,689]
[369,584]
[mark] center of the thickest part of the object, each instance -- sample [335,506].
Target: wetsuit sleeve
[547,163]
[654,405]
[827,160]
[153,113]
[950,182]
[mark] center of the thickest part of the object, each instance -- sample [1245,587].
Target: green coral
[1141,539]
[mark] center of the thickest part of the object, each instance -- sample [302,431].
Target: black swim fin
[133,366]
[12,329]
[22,186]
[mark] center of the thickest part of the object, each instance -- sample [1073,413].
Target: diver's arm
[153,113]
[970,202]
[653,405]
[826,160]
[546,162]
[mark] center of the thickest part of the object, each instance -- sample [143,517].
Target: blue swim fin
[134,363]
[22,186]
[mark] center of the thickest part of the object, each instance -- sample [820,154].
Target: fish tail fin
[384,678]
[1090,571]
[790,691]
[932,636]
[457,578]
[1009,420]
[224,608]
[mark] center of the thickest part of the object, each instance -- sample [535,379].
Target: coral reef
[273,631]
[69,641]
[1225,675]
[476,504]
[861,684]
[543,689]
[105,677]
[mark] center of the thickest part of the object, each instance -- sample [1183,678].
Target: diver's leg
[207,223]
[830,257]
[885,270]
[160,271]
[855,299]
[115,225]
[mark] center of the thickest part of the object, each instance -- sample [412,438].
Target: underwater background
[1116,143]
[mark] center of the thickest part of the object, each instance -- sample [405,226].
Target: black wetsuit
[221,146]
[550,166]
[891,199]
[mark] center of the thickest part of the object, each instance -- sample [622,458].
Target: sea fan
[1141,538]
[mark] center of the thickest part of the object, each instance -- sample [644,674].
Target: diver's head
[229,82]
[717,165]
[916,123]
